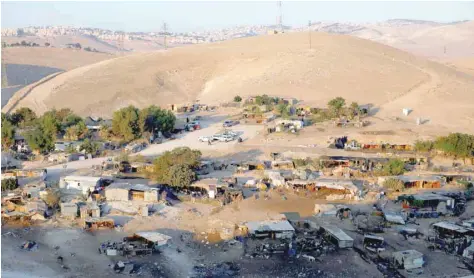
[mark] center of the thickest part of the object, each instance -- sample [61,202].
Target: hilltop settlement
[260,186]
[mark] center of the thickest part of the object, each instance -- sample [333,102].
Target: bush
[394,167]
[423,146]
[153,119]
[52,199]
[237,99]
[457,145]
[394,184]
[89,147]
[9,184]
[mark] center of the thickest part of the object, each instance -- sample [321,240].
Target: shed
[131,192]
[68,210]
[272,229]
[337,236]
[408,259]
[421,181]
[445,228]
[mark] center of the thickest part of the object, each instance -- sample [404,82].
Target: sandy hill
[281,65]
[64,40]
[61,58]
[424,38]
[464,64]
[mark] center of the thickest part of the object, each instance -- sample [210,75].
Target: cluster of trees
[130,123]
[22,43]
[74,45]
[177,167]
[336,108]
[42,131]
[90,49]
[456,145]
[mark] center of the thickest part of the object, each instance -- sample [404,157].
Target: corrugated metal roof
[393,217]
[408,254]
[276,226]
[450,226]
[82,178]
[153,236]
[337,232]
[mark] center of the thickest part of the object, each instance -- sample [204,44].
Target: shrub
[180,175]
[394,167]
[423,146]
[237,99]
[9,184]
[52,199]
[394,184]
[336,104]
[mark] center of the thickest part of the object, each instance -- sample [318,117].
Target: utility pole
[165,28]
[280,17]
[309,33]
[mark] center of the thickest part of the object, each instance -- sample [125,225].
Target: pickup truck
[223,137]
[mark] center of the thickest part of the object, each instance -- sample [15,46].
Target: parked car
[231,133]
[206,138]
[230,123]
[223,137]
[197,118]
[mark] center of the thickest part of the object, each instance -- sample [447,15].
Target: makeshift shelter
[421,181]
[337,236]
[131,192]
[68,210]
[446,229]
[156,238]
[409,259]
[374,243]
[393,217]
[282,165]
[95,223]
[272,229]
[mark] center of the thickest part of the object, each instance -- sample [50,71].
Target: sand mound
[281,65]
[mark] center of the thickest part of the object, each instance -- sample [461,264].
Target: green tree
[50,123]
[23,117]
[181,175]
[336,105]
[8,132]
[354,109]
[154,118]
[89,147]
[282,110]
[77,131]
[237,99]
[182,156]
[394,184]
[39,140]
[125,123]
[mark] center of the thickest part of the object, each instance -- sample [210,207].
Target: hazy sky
[187,16]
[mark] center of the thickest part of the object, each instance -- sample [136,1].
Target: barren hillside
[61,58]
[281,65]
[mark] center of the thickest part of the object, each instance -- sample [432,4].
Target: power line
[280,17]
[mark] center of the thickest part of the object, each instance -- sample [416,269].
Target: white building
[83,183]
